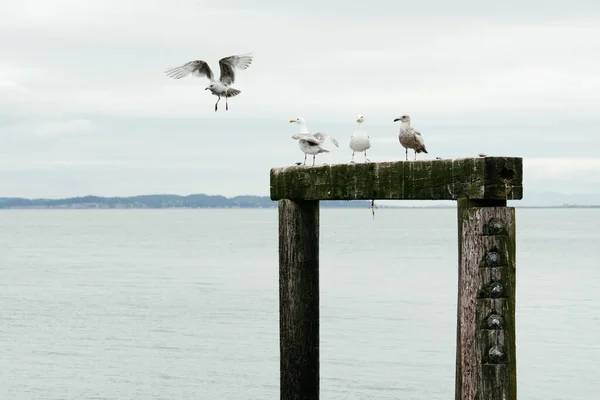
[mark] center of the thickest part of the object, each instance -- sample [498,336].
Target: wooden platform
[493,178]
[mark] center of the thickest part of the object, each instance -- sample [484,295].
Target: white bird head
[298,120]
[404,118]
[302,122]
[211,86]
[360,118]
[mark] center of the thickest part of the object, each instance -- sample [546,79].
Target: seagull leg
[304,159]
[407,154]
[226,104]
[352,157]
[314,160]
[415,155]
[365,156]
[218,100]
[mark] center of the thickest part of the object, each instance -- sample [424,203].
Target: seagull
[409,137]
[359,141]
[311,144]
[220,88]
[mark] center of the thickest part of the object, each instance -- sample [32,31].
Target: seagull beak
[292,120]
[397,119]
[206,88]
[358,120]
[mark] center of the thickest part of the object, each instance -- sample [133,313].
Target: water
[182,304]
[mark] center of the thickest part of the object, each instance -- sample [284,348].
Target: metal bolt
[494,321]
[495,289]
[496,354]
[492,259]
[494,226]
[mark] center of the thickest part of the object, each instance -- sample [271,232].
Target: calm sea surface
[183,304]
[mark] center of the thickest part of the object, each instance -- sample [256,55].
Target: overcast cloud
[85,107]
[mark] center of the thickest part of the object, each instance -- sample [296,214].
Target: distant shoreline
[200,201]
[159,201]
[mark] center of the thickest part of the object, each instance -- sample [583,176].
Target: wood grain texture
[299,299]
[472,178]
[486,350]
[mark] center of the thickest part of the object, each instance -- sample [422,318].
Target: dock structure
[485,340]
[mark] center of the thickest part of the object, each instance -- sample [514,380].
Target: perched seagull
[409,137]
[220,88]
[311,144]
[359,141]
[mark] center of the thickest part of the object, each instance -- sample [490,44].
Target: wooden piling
[299,299]
[486,351]
[485,343]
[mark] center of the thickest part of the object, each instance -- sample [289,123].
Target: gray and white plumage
[221,87]
[360,141]
[409,137]
[311,143]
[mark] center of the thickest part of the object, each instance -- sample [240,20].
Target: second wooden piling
[299,299]
[486,367]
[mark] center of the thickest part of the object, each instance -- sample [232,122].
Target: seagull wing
[322,136]
[229,64]
[198,67]
[418,136]
[419,140]
[307,137]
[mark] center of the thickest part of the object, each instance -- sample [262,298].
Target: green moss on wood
[489,178]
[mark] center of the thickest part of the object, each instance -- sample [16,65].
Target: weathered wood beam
[494,178]
[299,299]
[486,365]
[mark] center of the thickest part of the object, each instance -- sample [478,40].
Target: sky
[86,109]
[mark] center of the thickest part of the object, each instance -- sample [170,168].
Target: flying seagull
[220,88]
[409,137]
[359,141]
[311,144]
